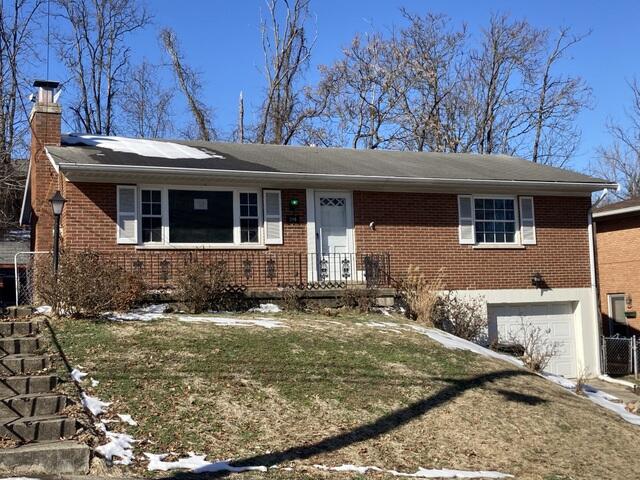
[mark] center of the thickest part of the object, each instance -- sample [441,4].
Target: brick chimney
[45,121]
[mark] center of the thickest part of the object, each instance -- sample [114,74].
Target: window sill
[200,246]
[499,246]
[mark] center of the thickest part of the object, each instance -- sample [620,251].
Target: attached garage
[556,319]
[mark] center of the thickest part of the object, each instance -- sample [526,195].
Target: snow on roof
[138,146]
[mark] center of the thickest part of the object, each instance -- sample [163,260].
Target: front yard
[337,390]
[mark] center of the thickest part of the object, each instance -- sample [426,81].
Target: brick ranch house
[506,230]
[617,228]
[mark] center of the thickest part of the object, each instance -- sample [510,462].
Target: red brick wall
[45,130]
[421,230]
[618,261]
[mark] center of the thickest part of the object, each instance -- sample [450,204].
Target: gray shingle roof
[78,152]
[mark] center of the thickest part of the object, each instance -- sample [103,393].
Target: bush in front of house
[538,348]
[462,317]
[361,299]
[87,284]
[204,287]
[418,295]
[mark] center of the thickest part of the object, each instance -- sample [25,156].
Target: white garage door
[555,319]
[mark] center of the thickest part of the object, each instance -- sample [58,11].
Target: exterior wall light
[57,204]
[537,280]
[294,203]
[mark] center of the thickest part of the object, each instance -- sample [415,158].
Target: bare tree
[432,74]
[96,52]
[500,67]
[18,23]
[287,106]
[557,100]
[190,85]
[620,161]
[146,103]
[365,91]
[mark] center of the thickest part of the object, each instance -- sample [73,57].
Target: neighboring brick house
[617,228]
[511,232]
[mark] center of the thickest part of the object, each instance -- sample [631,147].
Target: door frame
[312,221]
[612,321]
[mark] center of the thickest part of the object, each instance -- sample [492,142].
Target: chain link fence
[24,264]
[620,355]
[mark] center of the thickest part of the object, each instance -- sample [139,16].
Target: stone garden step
[11,345]
[33,405]
[19,329]
[47,458]
[23,363]
[37,429]
[22,385]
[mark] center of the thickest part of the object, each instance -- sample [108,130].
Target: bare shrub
[537,347]
[581,382]
[292,299]
[360,299]
[203,287]
[419,294]
[463,318]
[87,284]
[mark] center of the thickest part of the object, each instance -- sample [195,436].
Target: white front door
[336,261]
[554,320]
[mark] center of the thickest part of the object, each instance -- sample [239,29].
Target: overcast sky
[222,40]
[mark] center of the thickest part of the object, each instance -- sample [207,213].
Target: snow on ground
[196,464]
[266,308]
[77,375]
[94,404]
[43,310]
[146,148]
[94,382]
[143,314]
[233,322]
[127,419]
[598,397]
[420,473]
[120,446]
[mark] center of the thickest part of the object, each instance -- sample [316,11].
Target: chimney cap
[46,84]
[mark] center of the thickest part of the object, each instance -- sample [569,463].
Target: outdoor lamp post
[57,204]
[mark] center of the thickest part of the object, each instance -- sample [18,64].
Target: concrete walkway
[623,393]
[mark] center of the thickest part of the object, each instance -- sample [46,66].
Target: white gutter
[594,292]
[70,167]
[27,187]
[618,211]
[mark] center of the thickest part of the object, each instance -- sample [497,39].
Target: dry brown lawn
[336,391]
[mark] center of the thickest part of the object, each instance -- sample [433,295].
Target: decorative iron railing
[257,270]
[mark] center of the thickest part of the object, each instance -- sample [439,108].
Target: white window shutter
[466,223]
[527,221]
[127,214]
[272,217]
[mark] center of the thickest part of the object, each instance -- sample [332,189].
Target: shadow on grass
[381,426]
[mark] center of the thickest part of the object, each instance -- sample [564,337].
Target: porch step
[31,405]
[11,345]
[23,363]
[52,458]
[19,329]
[37,429]
[23,385]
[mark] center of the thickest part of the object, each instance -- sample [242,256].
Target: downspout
[594,280]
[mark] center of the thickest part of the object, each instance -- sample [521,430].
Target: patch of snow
[77,375]
[120,445]
[624,383]
[94,404]
[127,419]
[43,310]
[233,322]
[138,146]
[266,308]
[196,464]
[420,473]
[143,314]
[598,397]
[94,382]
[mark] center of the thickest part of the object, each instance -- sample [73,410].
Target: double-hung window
[496,220]
[220,217]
